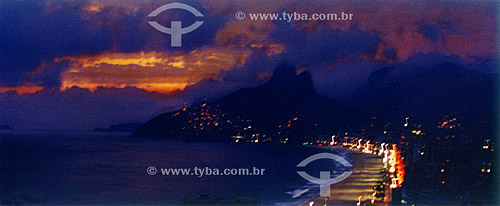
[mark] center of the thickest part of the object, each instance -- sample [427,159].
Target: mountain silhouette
[426,94]
[124,127]
[284,109]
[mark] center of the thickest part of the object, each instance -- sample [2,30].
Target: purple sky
[86,64]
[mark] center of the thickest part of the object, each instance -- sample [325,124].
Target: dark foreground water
[82,168]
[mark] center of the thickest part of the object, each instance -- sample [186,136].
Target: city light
[367,147]
[394,183]
[381,149]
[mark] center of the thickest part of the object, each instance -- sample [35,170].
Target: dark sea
[89,168]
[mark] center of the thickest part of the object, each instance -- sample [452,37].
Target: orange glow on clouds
[22,89]
[99,6]
[152,71]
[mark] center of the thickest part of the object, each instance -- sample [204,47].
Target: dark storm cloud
[429,31]
[47,74]
[322,45]
[30,36]
[34,33]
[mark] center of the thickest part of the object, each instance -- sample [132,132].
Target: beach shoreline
[366,174]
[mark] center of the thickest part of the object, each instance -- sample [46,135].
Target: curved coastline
[366,174]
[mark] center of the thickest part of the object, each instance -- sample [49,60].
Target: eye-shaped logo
[324,179]
[176,31]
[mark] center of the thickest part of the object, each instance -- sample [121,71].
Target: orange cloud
[98,6]
[22,89]
[152,71]
[465,29]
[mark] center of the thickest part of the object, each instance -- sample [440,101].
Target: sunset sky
[84,64]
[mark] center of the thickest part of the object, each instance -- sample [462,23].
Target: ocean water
[82,168]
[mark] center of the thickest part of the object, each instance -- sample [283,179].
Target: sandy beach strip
[366,174]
